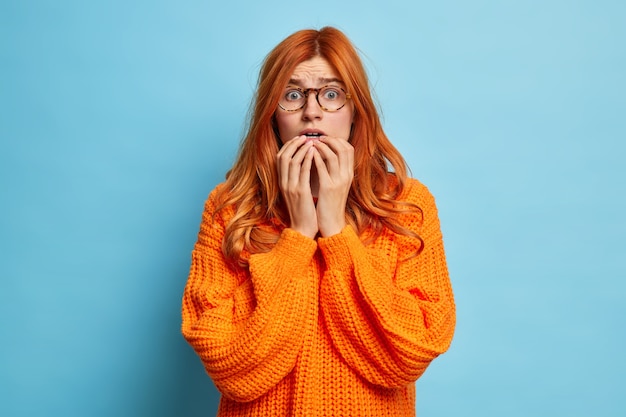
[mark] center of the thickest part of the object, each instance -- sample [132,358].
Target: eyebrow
[321,80]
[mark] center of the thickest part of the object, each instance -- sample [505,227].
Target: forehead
[315,71]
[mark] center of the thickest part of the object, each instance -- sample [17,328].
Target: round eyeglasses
[330,98]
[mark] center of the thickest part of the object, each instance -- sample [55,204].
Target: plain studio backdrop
[117,118]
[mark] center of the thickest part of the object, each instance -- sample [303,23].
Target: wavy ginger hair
[251,185]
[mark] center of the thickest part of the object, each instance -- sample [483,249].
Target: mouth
[312,134]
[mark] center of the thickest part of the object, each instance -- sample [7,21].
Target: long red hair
[252,183]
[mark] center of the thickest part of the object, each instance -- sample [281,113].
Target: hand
[294,162]
[334,161]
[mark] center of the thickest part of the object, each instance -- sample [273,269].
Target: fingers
[338,157]
[334,160]
[294,162]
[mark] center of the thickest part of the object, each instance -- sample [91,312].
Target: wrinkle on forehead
[316,71]
[320,81]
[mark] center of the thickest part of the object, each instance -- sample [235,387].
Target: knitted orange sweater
[326,327]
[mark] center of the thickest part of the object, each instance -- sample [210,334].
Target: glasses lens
[332,98]
[292,99]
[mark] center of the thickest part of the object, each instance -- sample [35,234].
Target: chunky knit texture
[326,327]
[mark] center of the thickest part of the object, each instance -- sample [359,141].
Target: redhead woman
[318,283]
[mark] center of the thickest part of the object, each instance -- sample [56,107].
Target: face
[311,119]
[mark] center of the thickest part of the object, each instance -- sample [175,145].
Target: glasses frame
[307,91]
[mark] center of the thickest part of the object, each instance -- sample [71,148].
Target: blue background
[117,118]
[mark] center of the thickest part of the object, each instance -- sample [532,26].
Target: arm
[389,316]
[248,326]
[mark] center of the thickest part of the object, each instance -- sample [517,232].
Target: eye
[293,95]
[332,93]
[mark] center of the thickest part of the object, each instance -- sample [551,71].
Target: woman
[318,284]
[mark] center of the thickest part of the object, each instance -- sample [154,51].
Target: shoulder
[218,192]
[416,194]
[414,191]
[217,202]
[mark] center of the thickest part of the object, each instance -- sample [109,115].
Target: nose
[312,109]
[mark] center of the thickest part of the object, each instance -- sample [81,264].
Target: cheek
[285,126]
[345,125]
[350,118]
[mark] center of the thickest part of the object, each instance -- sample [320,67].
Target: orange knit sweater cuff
[294,245]
[339,249]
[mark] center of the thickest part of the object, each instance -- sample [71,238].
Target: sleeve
[389,313]
[248,325]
